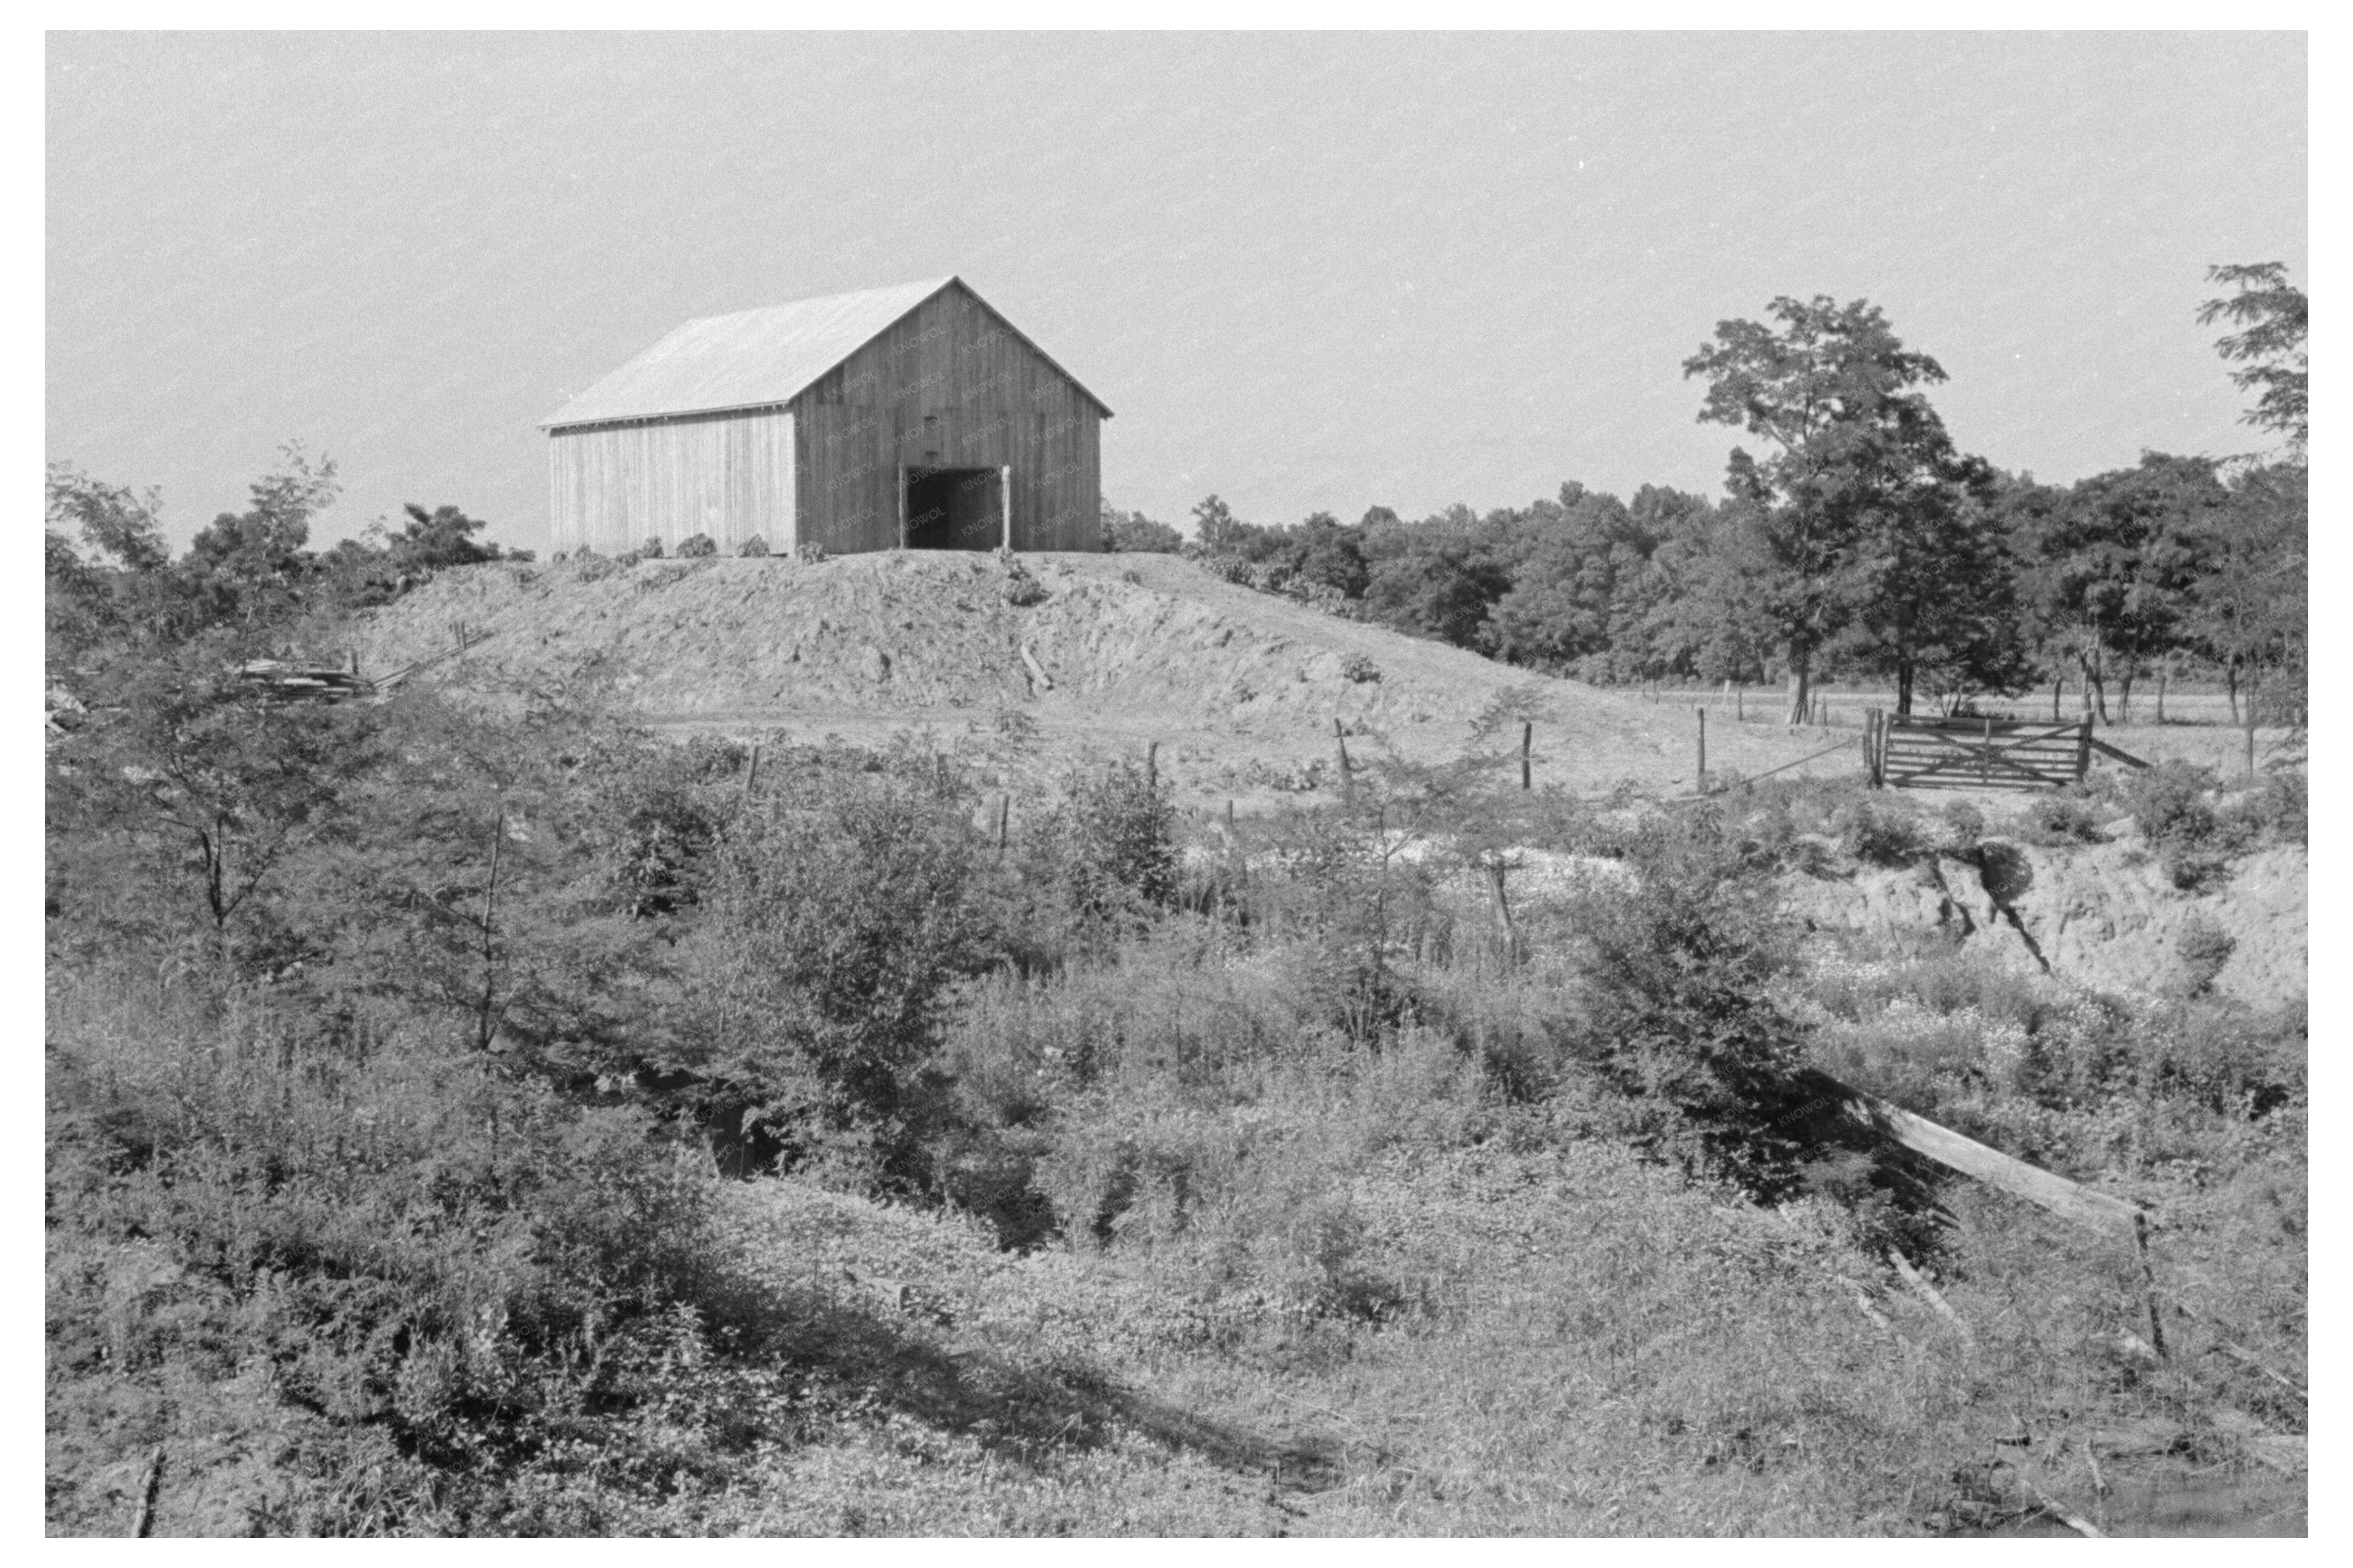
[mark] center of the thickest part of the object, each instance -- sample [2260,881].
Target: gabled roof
[756,359]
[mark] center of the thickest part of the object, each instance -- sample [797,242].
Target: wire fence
[1845,707]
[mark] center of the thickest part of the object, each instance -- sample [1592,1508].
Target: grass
[1287,1196]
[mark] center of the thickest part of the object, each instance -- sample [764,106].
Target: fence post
[2083,750]
[1004,810]
[1701,785]
[751,774]
[1152,766]
[1527,739]
[1347,783]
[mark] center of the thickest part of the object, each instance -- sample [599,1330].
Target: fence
[1911,750]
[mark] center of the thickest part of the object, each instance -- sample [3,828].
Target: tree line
[246,581]
[1855,542]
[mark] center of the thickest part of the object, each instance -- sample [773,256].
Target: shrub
[2203,948]
[651,549]
[842,917]
[2276,811]
[1111,845]
[1019,588]
[2169,802]
[1360,669]
[696,546]
[418,1255]
[809,553]
[1679,1021]
[1964,825]
[753,547]
[1881,835]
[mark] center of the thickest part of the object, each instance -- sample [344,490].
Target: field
[1415,1155]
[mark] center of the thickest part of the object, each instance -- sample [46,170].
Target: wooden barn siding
[726,475]
[996,402]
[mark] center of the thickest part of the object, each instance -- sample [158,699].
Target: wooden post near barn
[751,773]
[1152,766]
[1004,810]
[1527,739]
[1740,704]
[1701,783]
[1347,782]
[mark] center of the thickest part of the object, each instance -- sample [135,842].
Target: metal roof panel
[751,359]
[746,359]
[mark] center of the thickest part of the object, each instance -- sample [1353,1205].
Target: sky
[1308,273]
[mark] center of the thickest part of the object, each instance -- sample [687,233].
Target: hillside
[1239,687]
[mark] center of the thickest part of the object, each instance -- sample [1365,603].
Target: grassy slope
[1239,687]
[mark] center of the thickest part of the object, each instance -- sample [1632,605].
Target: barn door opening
[954,508]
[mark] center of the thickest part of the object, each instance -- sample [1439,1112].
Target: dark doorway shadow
[954,508]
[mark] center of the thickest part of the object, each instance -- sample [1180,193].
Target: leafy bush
[2276,811]
[1113,842]
[753,547]
[695,547]
[1019,588]
[2203,948]
[1359,668]
[809,553]
[841,915]
[2054,821]
[420,1255]
[2168,803]
[651,550]
[1881,835]
[1680,1019]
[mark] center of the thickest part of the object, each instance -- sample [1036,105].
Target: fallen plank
[1930,1293]
[2072,1520]
[2069,1200]
[2118,753]
[1037,669]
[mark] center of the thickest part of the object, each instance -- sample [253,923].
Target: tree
[2112,564]
[118,525]
[189,797]
[248,569]
[1131,533]
[2248,607]
[1860,471]
[1940,611]
[2273,315]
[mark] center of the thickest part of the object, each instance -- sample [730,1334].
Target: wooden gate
[1904,751]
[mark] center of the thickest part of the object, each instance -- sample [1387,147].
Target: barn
[912,417]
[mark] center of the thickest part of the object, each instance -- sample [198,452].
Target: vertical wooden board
[727,476]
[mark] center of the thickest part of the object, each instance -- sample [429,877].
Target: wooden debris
[2069,1200]
[283,682]
[1037,671]
[2072,1520]
[151,1486]
[1930,1294]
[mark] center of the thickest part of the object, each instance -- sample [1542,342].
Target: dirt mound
[2105,915]
[1240,687]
